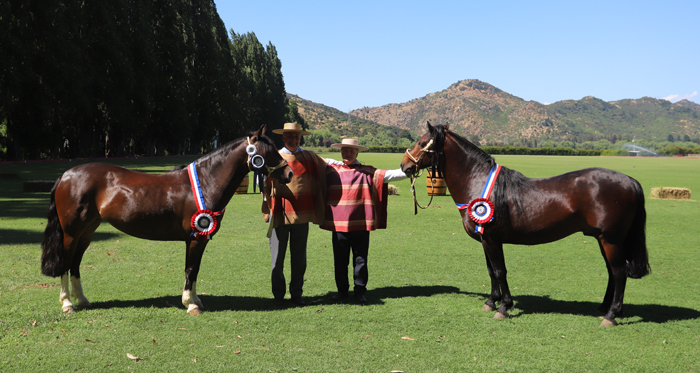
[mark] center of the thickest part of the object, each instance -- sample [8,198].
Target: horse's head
[425,152]
[274,165]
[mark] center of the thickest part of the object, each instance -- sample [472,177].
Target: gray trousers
[296,235]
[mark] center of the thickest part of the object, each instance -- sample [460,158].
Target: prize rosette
[204,222]
[480,210]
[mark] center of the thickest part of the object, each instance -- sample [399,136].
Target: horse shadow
[525,304]
[653,313]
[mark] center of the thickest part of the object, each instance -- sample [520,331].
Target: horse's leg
[76,285]
[617,280]
[195,249]
[495,296]
[494,252]
[64,295]
[69,244]
[610,289]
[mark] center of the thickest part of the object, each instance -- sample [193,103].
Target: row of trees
[604,144]
[123,77]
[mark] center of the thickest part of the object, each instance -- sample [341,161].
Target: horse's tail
[53,255]
[636,240]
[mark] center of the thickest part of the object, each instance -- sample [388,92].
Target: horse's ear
[430,126]
[258,133]
[447,126]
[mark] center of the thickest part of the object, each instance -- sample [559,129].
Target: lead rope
[420,172]
[413,191]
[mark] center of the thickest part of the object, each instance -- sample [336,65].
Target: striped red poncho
[356,198]
[302,199]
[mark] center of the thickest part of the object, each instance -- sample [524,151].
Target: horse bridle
[425,149]
[257,161]
[414,177]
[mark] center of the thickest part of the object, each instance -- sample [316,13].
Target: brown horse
[601,203]
[153,207]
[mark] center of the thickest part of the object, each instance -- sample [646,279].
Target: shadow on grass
[218,303]
[527,304]
[21,236]
[655,313]
[37,207]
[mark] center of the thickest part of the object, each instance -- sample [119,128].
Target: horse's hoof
[499,316]
[68,309]
[194,310]
[486,307]
[607,323]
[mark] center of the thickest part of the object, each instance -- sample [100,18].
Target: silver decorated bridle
[257,161]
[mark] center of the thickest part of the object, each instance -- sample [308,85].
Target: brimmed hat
[349,143]
[291,127]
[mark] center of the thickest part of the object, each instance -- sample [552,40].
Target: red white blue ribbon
[203,221]
[196,188]
[481,210]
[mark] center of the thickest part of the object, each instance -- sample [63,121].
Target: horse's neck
[465,172]
[225,175]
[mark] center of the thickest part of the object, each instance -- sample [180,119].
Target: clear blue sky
[352,54]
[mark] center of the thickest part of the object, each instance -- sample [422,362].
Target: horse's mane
[510,184]
[263,144]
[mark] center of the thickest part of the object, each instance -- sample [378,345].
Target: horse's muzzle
[408,170]
[287,175]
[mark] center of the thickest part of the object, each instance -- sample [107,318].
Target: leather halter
[425,149]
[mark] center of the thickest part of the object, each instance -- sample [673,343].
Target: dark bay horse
[600,203]
[153,207]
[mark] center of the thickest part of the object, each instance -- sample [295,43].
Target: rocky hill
[482,111]
[322,117]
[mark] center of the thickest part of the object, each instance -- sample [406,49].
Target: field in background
[427,284]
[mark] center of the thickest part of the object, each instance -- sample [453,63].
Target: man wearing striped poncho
[356,204]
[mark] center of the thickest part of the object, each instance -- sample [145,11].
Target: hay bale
[670,193]
[37,186]
[393,190]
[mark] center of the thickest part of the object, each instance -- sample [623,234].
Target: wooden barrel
[243,188]
[436,185]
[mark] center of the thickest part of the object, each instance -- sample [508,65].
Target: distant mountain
[477,109]
[343,125]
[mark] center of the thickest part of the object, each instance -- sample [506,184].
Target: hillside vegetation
[330,125]
[488,115]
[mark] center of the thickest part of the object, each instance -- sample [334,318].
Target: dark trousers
[296,235]
[343,244]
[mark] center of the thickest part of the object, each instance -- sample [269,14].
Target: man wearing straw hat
[355,205]
[291,208]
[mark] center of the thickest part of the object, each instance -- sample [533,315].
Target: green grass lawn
[427,284]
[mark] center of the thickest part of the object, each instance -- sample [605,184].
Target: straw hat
[291,127]
[349,143]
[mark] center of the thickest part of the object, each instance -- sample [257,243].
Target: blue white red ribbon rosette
[480,210]
[203,221]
